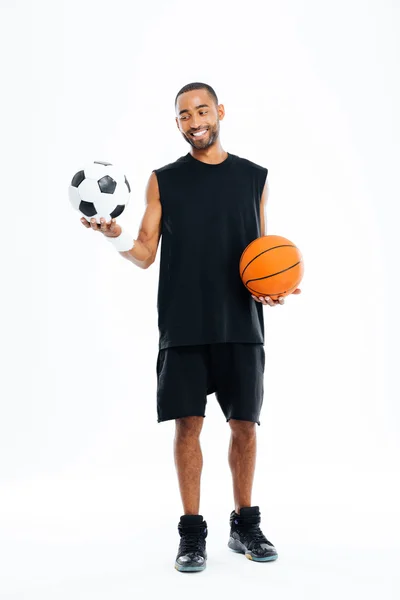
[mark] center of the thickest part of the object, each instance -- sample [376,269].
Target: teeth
[199,133]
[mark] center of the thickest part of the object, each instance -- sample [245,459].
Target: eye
[202,112]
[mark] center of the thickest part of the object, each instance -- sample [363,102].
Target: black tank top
[210,213]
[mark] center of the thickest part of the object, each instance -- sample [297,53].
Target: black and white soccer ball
[99,190]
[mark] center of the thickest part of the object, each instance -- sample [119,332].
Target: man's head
[197,109]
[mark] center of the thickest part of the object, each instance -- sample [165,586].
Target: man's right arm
[144,251]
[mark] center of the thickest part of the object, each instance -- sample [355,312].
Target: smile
[199,133]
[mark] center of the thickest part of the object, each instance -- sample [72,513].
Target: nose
[195,124]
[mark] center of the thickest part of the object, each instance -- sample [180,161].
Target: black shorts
[186,375]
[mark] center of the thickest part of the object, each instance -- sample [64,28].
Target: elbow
[149,260]
[148,263]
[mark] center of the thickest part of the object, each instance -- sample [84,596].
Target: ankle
[239,506]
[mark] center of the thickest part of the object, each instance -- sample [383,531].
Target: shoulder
[173,166]
[249,164]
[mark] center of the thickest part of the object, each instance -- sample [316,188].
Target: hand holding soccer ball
[108,228]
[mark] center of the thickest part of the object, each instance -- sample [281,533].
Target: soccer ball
[100,190]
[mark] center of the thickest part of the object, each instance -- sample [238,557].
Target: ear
[221,111]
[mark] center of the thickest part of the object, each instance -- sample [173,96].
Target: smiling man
[206,207]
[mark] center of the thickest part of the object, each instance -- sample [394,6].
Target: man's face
[196,112]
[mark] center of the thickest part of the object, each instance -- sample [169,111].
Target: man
[208,206]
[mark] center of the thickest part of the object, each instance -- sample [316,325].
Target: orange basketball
[271,266]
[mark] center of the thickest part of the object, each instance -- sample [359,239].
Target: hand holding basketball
[268,301]
[271,267]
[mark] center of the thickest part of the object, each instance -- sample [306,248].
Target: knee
[242,428]
[188,426]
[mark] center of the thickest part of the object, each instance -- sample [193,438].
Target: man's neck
[211,155]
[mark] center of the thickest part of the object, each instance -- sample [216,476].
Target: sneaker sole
[237,546]
[189,569]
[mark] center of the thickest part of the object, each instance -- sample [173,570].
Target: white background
[89,500]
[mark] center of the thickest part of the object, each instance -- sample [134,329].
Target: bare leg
[242,460]
[189,461]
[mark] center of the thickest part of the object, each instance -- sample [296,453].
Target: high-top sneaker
[246,536]
[192,555]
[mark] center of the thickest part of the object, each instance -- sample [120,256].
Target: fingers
[94,225]
[103,226]
[267,301]
[113,225]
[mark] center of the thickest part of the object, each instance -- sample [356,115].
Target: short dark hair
[197,85]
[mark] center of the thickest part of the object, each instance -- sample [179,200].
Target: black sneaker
[192,555]
[246,536]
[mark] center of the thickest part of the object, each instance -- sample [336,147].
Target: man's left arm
[263,209]
[263,226]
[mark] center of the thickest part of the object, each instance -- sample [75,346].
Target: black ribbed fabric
[210,213]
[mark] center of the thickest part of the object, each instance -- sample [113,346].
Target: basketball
[271,265]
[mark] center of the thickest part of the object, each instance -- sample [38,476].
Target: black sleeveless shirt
[210,213]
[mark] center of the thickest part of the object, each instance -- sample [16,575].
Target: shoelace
[250,529]
[191,542]
[254,533]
